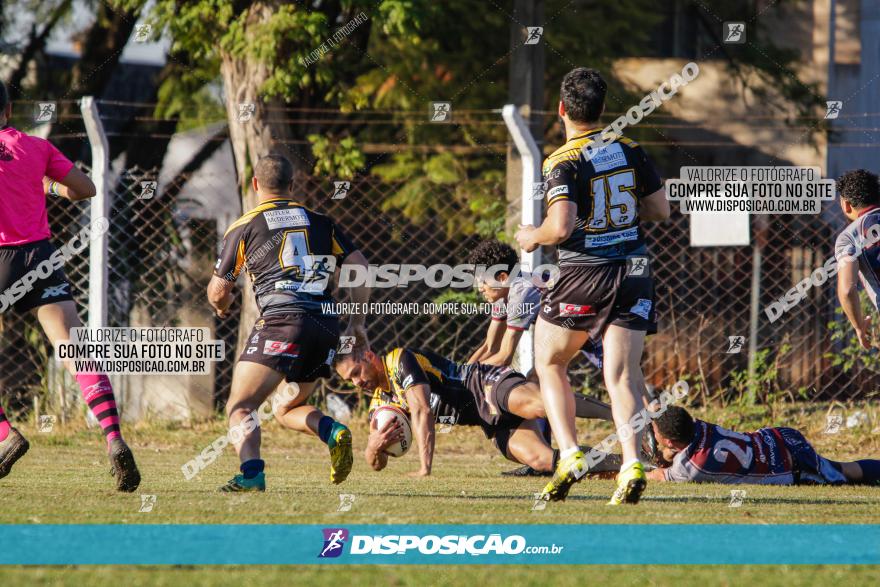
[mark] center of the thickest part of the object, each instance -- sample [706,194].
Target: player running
[860,200]
[32,279]
[290,253]
[432,388]
[604,289]
[701,452]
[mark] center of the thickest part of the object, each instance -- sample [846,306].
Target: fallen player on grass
[701,452]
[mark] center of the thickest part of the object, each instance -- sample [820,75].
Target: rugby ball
[382,415]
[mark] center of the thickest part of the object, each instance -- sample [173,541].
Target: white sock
[564,454]
[628,464]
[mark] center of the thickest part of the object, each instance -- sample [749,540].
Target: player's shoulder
[522,288]
[394,358]
[570,151]
[278,213]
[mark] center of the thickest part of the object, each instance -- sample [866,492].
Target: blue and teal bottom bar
[171,544]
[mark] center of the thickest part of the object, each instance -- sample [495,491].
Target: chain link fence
[163,242]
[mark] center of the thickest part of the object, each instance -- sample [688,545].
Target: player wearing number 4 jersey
[290,253]
[596,203]
[707,453]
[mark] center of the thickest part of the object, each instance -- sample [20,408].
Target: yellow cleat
[341,457]
[569,471]
[630,485]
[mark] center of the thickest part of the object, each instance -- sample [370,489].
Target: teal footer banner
[170,544]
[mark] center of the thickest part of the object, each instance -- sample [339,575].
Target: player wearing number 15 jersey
[701,452]
[289,253]
[599,190]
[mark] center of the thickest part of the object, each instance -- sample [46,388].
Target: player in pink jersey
[701,452]
[32,276]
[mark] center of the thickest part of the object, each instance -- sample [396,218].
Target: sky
[152,53]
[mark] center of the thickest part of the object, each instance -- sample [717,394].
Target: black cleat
[12,449]
[123,466]
[526,471]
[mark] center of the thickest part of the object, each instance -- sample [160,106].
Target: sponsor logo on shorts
[575,310]
[251,350]
[642,308]
[55,291]
[255,339]
[279,347]
[407,382]
[334,541]
[261,324]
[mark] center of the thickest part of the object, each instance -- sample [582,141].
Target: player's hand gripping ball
[385,414]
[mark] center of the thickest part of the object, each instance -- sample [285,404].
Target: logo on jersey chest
[610,157]
[286,218]
[566,310]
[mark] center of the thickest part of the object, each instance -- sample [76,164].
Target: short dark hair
[676,424]
[493,252]
[4,96]
[274,172]
[583,94]
[859,187]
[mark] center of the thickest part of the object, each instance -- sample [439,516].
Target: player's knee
[536,407]
[240,408]
[541,461]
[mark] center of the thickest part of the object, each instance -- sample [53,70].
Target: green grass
[65,479]
[417,576]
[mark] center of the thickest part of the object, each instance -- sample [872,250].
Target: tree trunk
[253,134]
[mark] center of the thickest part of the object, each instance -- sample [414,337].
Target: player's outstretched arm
[656,474]
[655,207]
[848,294]
[418,398]
[74,186]
[359,295]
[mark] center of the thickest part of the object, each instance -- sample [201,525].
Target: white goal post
[531,207]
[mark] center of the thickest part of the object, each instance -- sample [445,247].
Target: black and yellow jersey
[450,397]
[606,185]
[289,252]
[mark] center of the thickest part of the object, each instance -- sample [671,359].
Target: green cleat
[341,457]
[569,471]
[240,484]
[630,485]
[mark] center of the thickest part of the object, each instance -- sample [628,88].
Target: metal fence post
[531,207]
[99,284]
[100,208]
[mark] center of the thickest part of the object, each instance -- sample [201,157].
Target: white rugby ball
[382,415]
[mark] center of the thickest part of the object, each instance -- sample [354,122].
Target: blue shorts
[809,466]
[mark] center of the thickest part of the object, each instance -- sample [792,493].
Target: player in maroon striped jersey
[701,452]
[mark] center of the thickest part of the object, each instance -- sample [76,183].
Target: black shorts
[299,346]
[31,277]
[491,387]
[590,297]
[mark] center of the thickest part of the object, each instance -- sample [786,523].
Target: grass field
[64,479]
